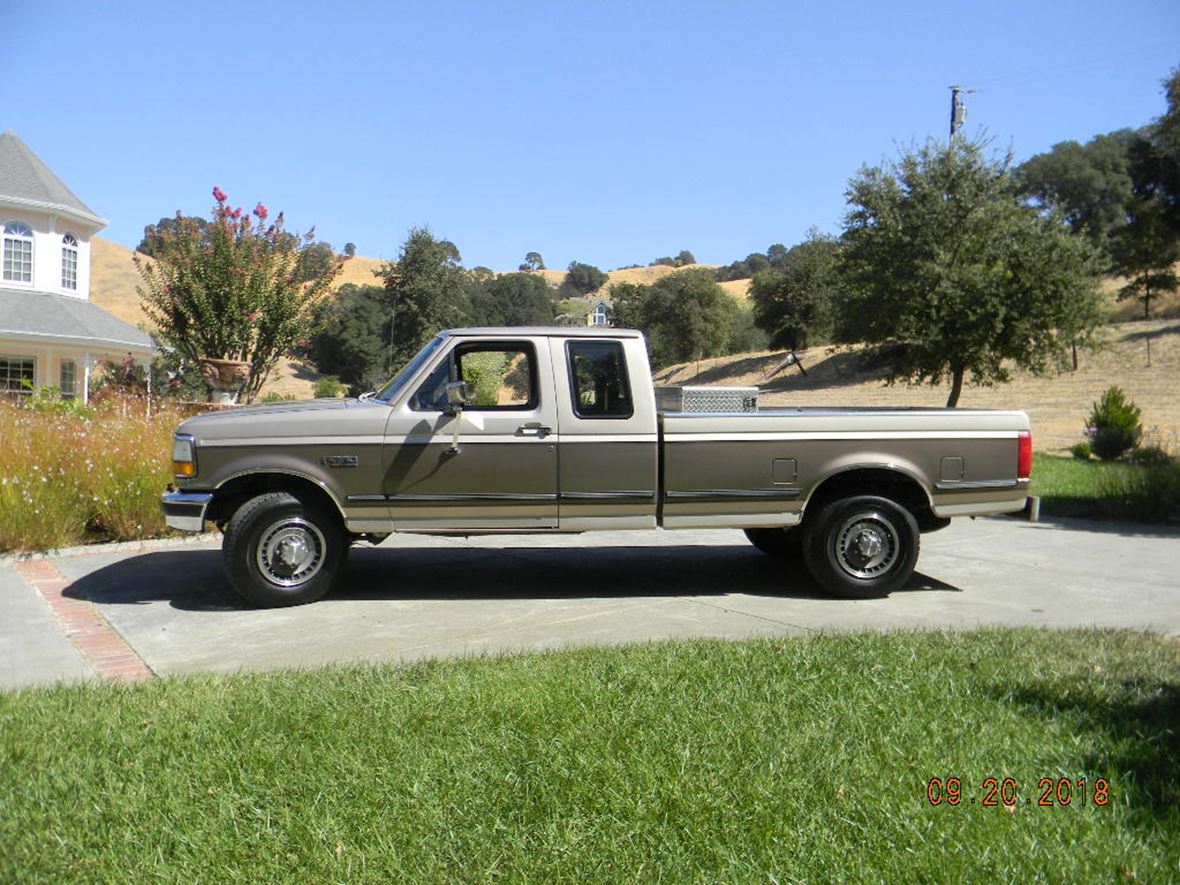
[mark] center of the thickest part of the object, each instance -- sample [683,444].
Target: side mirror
[457,396]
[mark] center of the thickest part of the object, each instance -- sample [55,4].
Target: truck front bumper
[185,510]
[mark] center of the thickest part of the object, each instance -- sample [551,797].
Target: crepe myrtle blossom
[219,194]
[260,211]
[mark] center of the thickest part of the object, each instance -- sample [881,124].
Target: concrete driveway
[168,610]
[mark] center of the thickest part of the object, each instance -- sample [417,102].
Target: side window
[598,379]
[499,375]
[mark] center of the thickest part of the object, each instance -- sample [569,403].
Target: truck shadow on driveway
[192,580]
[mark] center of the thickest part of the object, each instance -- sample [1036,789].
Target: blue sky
[611,133]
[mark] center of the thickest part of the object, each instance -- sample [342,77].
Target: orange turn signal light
[184,468]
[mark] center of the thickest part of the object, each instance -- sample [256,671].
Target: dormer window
[18,253]
[69,262]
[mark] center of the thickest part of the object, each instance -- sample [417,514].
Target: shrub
[1081,451]
[1150,456]
[1114,425]
[1143,494]
[329,386]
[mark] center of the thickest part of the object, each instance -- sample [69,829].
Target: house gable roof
[42,316]
[27,182]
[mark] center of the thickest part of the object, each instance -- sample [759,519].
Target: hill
[1058,403]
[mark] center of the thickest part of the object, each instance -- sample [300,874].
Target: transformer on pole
[958,109]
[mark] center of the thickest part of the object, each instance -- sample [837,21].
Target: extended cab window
[598,379]
[499,375]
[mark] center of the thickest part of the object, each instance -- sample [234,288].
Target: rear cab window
[599,387]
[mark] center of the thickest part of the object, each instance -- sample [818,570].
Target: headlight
[184,455]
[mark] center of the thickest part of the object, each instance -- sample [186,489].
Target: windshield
[390,390]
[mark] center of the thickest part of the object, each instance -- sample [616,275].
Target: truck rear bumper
[185,510]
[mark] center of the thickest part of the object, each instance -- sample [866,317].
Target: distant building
[599,314]
[50,333]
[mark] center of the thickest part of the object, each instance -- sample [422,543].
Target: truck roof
[548,331]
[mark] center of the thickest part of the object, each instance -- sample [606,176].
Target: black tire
[278,551]
[781,543]
[862,547]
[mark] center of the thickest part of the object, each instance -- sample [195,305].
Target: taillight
[1024,456]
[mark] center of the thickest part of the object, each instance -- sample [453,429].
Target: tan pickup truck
[557,430]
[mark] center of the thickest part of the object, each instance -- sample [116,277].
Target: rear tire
[781,543]
[278,551]
[862,547]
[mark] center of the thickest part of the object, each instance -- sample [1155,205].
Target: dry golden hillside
[643,276]
[113,279]
[360,272]
[1058,403]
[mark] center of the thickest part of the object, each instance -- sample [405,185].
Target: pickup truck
[517,430]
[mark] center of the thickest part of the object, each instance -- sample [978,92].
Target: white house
[50,333]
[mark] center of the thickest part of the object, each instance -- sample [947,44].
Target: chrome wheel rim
[867,546]
[290,552]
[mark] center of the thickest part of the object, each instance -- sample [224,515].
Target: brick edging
[10,559]
[84,625]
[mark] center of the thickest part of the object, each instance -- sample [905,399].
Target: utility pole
[958,109]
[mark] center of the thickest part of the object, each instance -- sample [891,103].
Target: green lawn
[763,761]
[1101,490]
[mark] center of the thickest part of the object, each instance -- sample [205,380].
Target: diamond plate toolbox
[717,400]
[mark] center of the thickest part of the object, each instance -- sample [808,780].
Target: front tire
[278,551]
[862,547]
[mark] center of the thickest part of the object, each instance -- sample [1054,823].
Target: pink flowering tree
[232,289]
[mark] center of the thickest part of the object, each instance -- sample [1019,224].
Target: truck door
[500,469]
[608,466]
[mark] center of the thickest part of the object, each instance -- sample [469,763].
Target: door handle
[535,429]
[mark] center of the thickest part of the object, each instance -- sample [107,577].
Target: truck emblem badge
[339,461]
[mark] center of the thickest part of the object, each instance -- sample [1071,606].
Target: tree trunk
[956,387]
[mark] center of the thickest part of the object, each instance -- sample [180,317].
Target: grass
[1107,490]
[763,761]
[70,475]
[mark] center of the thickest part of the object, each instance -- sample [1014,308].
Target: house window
[69,379]
[15,371]
[598,379]
[600,316]
[69,262]
[18,252]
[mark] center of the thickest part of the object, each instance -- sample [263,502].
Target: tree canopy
[582,279]
[944,266]
[425,291]
[1088,185]
[157,236]
[352,337]
[684,316]
[512,299]
[1147,248]
[533,261]
[794,299]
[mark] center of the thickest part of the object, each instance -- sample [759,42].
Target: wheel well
[882,481]
[238,491]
